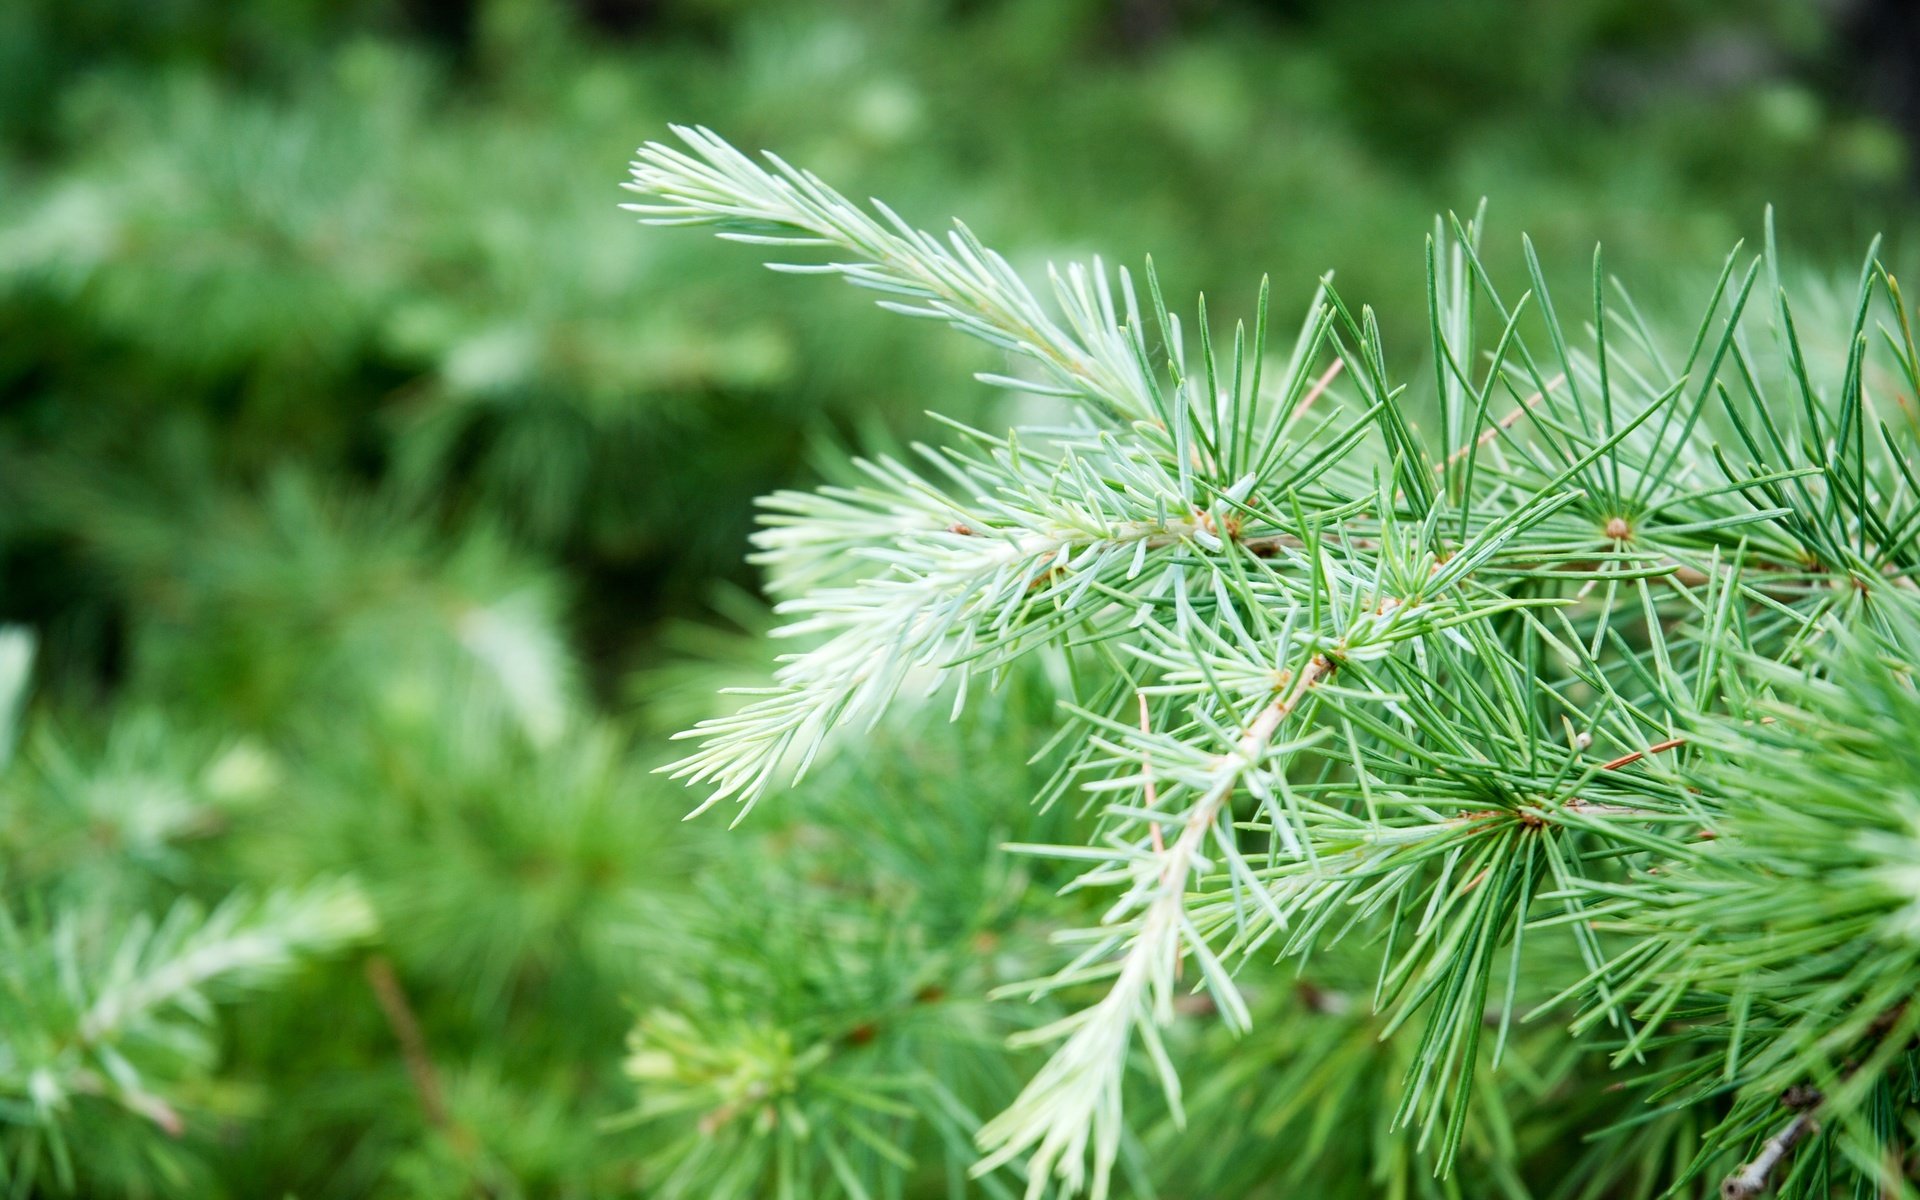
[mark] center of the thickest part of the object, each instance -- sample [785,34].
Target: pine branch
[960,282]
[1077,1094]
[1483,669]
[119,1013]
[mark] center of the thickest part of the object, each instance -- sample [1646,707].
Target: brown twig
[1752,1178]
[1319,385]
[1504,423]
[1637,755]
[413,1044]
[1534,818]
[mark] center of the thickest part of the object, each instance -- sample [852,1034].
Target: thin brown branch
[1319,386]
[1534,818]
[1504,423]
[1752,1178]
[1637,755]
[413,1044]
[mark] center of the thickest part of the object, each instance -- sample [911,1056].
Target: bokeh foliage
[361,470]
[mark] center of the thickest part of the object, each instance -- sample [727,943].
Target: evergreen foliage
[357,464]
[1572,687]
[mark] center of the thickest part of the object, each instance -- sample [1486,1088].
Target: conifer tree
[1516,757]
[107,1003]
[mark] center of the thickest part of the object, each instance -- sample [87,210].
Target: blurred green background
[376,492]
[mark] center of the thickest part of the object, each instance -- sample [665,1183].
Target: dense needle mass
[1485,678]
